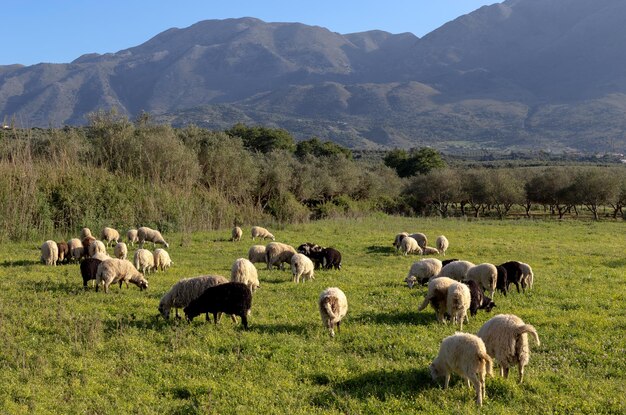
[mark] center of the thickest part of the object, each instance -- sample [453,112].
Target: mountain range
[522,74]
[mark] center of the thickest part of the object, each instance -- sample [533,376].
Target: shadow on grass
[155,322]
[378,249]
[67,287]
[411,317]
[298,329]
[20,263]
[619,263]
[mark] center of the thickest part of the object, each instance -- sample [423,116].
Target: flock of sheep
[456,287]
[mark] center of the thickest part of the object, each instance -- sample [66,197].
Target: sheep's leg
[517,286]
[206,315]
[244,321]
[233,318]
[215,317]
[338,326]
[446,381]
[521,372]
[479,392]
[177,316]
[505,372]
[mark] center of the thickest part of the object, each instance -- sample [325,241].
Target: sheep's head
[435,371]
[410,281]
[487,304]
[164,311]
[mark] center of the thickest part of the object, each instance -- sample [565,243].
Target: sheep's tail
[527,328]
[424,303]
[329,309]
[488,362]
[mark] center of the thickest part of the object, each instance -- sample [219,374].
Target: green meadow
[73,351]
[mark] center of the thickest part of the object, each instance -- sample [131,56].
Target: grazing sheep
[464,354]
[332,258]
[398,239]
[479,301]
[119,270]
[101,256]
[143,261]
[486,275]
[89,269]
[437,296]
[422,271]
[109,235]
[49,253]
[233,298]
[314,252]
[76,249]
[132,237]
[502,282]
[421,239]
[442,244]
[527,276]
[151,235]
[87,241]
[513,273]
[97,247]
[185,291]
[259,232]
[120,251]
[245,272]
[457,270]
[409,246]
[302,266]
[276,254]
[64,251]
[448,261]
[458,302]
[162,259]
[429,250]
[333,306]
[85,233]
[236,234]
[506,339]
[256,253]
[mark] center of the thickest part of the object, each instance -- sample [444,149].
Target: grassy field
[66,350]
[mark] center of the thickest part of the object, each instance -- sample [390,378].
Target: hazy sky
[33,31]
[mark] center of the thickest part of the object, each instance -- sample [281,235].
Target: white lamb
[409,246]
[302,266]
[49,253]
[259,232]
[429,250]
[76,248]
[442,244]
[458,302]
[456,270]
[422,271]
[151,235]
[333,306]
[527,276]
[143,261]
[115,270]
[109,235]
[506,339]
[277,254]
[237,233]
[162,259]
[97,247]
[256,253]
[464,354]
[485,275]
[437,296]
[185,291]
[244,271]
[421,239]
[132,237]
[120,251]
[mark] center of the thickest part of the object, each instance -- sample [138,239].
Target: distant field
[65,350]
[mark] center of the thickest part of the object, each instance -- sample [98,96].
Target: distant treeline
[122,173]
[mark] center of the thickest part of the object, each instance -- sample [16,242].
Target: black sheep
[332,258]
[502,283]
[232,298]
[513,273]
[88,269]
[479,300]
[314,252]
[447,261]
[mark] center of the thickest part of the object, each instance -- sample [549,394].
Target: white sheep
[442,244]
[100,256]
[109,235]
[245,272]
[421,239]
[527,276]
[302,266]
[143,260]
[132,237]
[464,354]
[96,247]
[506,339]
[437,296]
[236,233]
[151,235]
[422,271]
[49,253]
[458,302]
[259,232]
[120,251]
[333,306]
[185,291]
[76,248]
[277,253]
[115,270]
[398,239]
[429,250]
[456,270]
[162,259]
[85,233]
[409,246]
[485,275]
[256,253]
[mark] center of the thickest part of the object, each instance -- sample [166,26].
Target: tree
[594,187]
[418,161]
[321,149]
[263,139]
[474,187]
[439,189]
[504,190]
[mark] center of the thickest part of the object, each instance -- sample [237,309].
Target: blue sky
[58,31]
